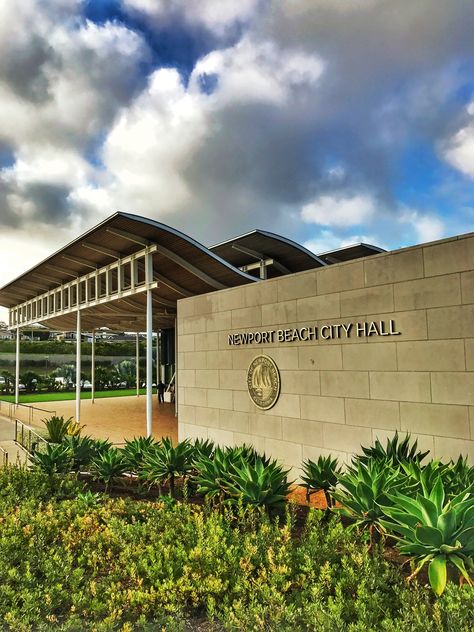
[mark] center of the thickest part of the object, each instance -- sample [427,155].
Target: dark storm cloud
[25,68]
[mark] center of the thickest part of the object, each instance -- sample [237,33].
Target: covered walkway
[115,418]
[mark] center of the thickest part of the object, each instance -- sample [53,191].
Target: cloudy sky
[328,121]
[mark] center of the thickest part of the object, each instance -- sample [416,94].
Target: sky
[327,121]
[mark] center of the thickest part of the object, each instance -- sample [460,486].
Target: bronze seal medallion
[263,382]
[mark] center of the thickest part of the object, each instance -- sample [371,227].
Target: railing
[3,457]
[10,409]
[28,439]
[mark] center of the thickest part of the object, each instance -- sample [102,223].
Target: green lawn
[31,398]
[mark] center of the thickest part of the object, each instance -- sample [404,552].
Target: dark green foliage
[240,475]
[165,462]
[321,475]
[432,529]
[57,428]
[135,451]
[100,447]
[82,450]
[396,451]
[259,484]
[364,488]
[108,466]
[55,459]
[213,474]
[203,447]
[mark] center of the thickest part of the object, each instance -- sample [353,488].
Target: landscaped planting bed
[193,537]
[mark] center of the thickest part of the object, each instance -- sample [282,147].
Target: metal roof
[288,256]
[182,266]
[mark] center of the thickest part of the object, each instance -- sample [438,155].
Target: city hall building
[296,353]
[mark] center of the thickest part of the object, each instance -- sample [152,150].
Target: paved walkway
[7,434]
[117,418]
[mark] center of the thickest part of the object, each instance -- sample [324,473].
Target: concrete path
[117,418]
[7,434]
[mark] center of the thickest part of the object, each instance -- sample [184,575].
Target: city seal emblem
[263,382]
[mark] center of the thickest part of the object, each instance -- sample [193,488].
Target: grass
[63,396]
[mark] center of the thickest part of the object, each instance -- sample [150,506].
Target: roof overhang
[181,267]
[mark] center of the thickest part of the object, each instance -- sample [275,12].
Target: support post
[176,367]
[157,361]
[93,368]
[149,344]
[78,366]
[17,367]
[137,363]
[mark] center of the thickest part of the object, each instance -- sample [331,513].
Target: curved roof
[182,266]
[262,245]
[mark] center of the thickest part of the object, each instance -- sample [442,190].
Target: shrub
[431,529]
[396,452]
[109,466]
[56,459]
[364,488]
[135,451]
[321,475]
[165,462]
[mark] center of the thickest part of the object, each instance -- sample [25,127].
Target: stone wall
[338,393]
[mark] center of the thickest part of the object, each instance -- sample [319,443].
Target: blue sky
[328,122]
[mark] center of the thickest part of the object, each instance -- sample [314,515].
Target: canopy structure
[266,254]
[106,271]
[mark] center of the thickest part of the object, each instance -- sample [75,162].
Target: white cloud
[328,210]
[459,149]
[215,15]
[258,71]
[427,226]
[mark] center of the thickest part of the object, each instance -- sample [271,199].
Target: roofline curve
[285,240]
[144,220]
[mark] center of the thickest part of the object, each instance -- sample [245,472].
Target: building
[297,353]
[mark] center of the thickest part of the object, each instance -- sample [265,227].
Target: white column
[157,361]
[176,367]
[149,344]
[149,364]
[93,368]
[17,367]
[137,364]
[78,367]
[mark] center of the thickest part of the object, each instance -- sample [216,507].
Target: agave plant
[100,447]
[458,477]
[395,452]
[433,530]
[203,447]
[259,484]
[166,462]
[321,475]
[364,489]
[57,428]
[56,459]
[108,466]
[82,450]
[213,475]
[135,451]
[422,477]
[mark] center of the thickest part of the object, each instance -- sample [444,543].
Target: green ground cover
[71,561]
[62,396]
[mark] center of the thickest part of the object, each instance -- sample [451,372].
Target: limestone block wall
[339,393]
